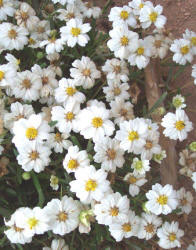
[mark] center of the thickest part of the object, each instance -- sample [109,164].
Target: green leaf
[38,188]
[75,141]
[158,103]
[52,123]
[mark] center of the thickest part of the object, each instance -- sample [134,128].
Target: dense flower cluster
[51,109]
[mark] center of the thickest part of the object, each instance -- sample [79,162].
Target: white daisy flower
[194,73]
[140,167]
[150,14]
[109,154]
[34,221]
[182,51]
[116,69]
[59,142]
[142,53]
[116,89]
[121,110]
[137,5]
[71,11]
[132,135]
[7,74]
[178,102]
[191,36]
[151,147]
[75,32]
[194,180]
[112,209]
[135,182]
[90,184]
[122,42]
[185,200]
[187,159]
[90,11]
[14,233]
[42,30]
[26,16]
[12,36]
[75,159]
[53,45]
[84,72]
[32,129]
[57,244]
[159,157]
[192,247]
[66,117]
[54,182]
[33,156]
[169,235]
[7,9]
[122,16]
[161,45]
[67,92]
[49,82]
[93,122]
[176,125]
[161,200]
[148,226]
[27,86]
[63,215]
[126,228]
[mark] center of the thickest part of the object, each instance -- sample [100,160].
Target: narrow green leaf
[38,188]
[158,103]
[52,123]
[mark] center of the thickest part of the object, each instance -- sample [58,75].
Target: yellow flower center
[45,80]
[114,211]
[132,180]
[111,154]
[149,228]
[172,237]
[117,69]
[70,91]
[184,50]
[124,41]
[26,83]
[126,227]
[183,202]
[153,16]
[24,15]
[124,14]
[72,164]
[34,155]
[162,200]
[138,165]
[91,185]
[148,145]
[32,222]
[86,72]
[70,15]
[18,61]
[58,137]
[1,3]
[180,125]
[75,31]
[133,135]
[140,51]
[69,116]
[97,122]
[117,91]
[31,133]
[2,74]
[141,5]
[157,44]
[193,41]
[54,180]
[12,34]
[62,216]
[31,41]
